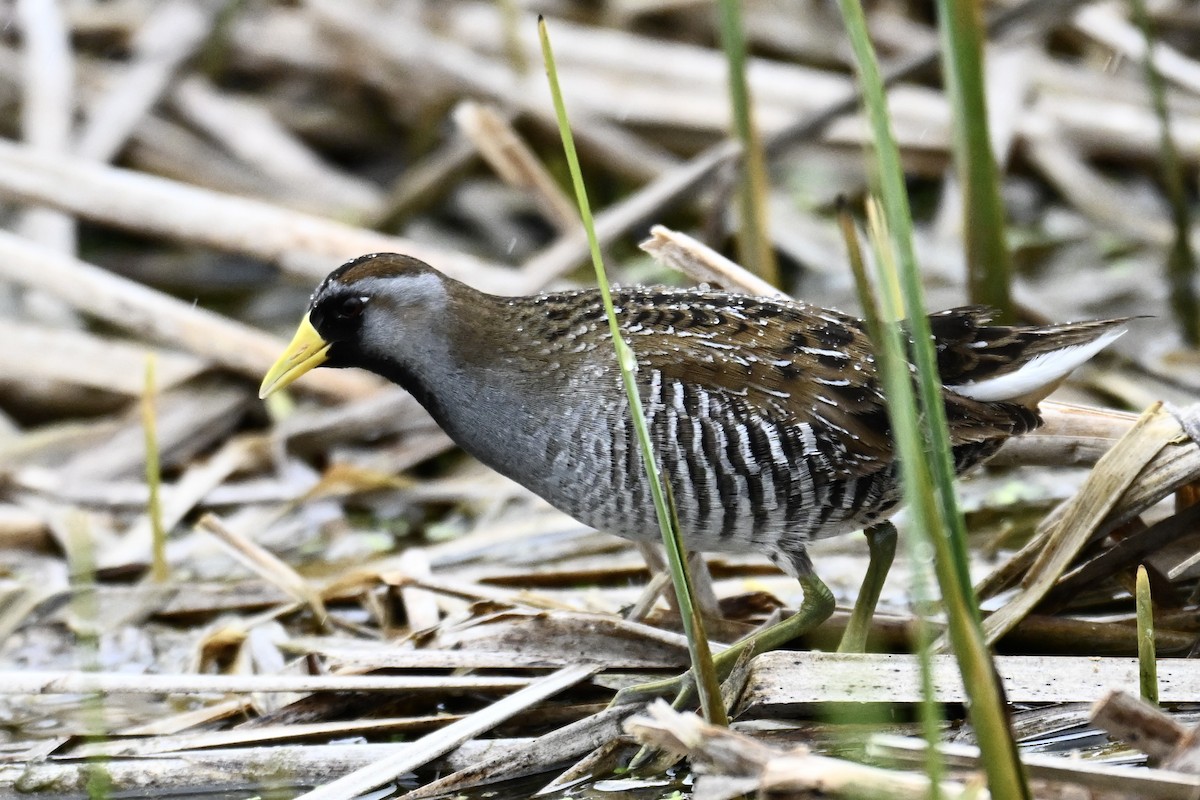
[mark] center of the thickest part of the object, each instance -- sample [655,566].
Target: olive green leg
[815,609]
[881,544]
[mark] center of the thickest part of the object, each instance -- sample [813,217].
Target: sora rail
[766,415]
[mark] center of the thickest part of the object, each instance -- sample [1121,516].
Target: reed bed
[203,593]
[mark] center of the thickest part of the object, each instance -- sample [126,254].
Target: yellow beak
[307,350]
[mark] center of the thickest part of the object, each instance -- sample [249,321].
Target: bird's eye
[351,308]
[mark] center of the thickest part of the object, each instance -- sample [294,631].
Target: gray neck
[494,399]
[516,393]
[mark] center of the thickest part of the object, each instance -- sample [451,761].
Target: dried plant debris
[352,603]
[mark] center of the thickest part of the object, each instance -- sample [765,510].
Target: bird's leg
[881,544]
[816,607]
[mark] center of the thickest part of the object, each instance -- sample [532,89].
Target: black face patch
[338,315]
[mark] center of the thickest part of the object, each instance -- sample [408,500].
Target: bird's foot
[732,669]
[816,608]
[729,666]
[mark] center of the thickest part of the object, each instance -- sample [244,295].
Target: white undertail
[1043,371]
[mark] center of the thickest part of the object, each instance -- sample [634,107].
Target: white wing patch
[1039,372]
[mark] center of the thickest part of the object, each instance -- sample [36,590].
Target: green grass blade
[989,267]
[922,440]
[754,237]
[892,362]
[1147,665]
[702,664]
[898,218]
[867,298]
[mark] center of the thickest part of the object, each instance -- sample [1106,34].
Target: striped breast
[741,480]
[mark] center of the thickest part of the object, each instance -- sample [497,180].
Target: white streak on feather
[818,351]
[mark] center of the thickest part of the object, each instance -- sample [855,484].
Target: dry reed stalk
[162,744]
[397,40]
[1065,535]
[514,162]
[550,748]
[1120,781]
[68,355]
[703,264]
[790,680]
[143,310]
[1176,463]
[766,771]
[162,44]
[47,108]
[249,131]
[46,682]
[308,245]
[267,566]
[446,739]
[1107,27]
[235,768]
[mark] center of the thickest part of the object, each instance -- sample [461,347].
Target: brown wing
[794,364]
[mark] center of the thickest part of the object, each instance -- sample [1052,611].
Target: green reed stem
[754,236]
[886,344]
[922,440]
[707,685]
[989,267]
[1147,663]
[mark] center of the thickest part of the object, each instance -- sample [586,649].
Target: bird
[766,415]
